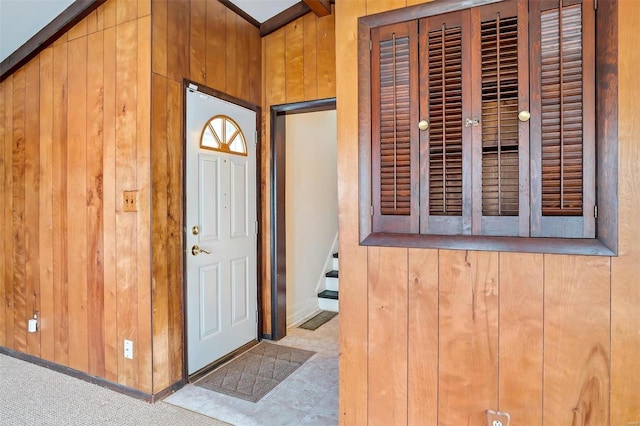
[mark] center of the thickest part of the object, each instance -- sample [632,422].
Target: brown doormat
[256,372]
[318,320]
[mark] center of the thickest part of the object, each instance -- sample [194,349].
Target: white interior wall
[311,206]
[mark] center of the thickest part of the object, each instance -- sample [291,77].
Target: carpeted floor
[34,395]
[256,372]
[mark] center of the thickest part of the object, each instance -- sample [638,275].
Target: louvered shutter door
[564,119]
[446,190]
[503,151]
[394,128]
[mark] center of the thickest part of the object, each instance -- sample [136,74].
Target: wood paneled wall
[298,65]
[74,135]
[440,336]
[203,41]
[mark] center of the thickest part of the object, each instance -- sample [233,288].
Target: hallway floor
[309,396]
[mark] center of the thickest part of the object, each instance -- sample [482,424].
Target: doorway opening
[278,207]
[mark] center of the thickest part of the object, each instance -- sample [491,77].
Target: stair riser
[331,283]
[335,264]
[328,304]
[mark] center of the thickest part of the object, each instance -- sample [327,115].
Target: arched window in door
[223,134]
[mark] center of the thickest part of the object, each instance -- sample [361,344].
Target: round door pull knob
[524,115]
[423,125]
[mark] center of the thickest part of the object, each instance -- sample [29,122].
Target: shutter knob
[524,115]
[423,125]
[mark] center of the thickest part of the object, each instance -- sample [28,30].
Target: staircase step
[328,294]
[331,274]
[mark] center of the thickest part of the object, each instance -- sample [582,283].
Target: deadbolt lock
[195,230]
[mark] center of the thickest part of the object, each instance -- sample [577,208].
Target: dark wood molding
[240,12]
[283,18]
[88,378]
[259,196]
[73,14]
[319,7]
[278,213]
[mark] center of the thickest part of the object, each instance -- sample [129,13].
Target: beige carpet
[34,395]
[256,372]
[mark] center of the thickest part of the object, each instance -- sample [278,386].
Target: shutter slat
[500,157]
[562,111]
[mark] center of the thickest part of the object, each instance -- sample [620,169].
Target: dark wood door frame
[278,224]
[192,85]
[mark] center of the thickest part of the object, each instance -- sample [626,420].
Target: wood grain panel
[159,40]
[4,190]
[95,224]
[255,65]
[92,22]
[110,12]
[46,325]
[143,175]
[160,190]
[353,386]
[127,10]
[244,72]
[7,217]
[18,302]
[326,59]
[388,306]
[32,198]
[198,41]
[294,61]
[178,39]
[275,66]
[377,6]
[576,340]
[174,227]
[216,48]
[521,337]
[109,208]
[77,205]
[468,350]
[423,338]
[126,229]
[625,292]
[310,84]
[78,30]
[59,159]
[232,71]
[144,8]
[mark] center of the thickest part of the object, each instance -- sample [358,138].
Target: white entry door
[221,228]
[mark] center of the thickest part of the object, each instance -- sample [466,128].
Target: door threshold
[217,363]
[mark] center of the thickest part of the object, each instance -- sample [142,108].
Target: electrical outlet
[130,201]
[128,349]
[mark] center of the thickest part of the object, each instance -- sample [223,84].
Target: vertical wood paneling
[178,39]
[144,8]
[625,274]
[422,404]
[326,57]
[256,88]
[216,47]
[143,175]
[46,322]
[110,14]
[109,207]
[77,205]
[231,48]
[468,350]
[7,217]
[59,157]
[576,340]
[126,273]
[160,186]
[32,199]
[353,386]
[4,189]
[95,213]
[174,226]
[159,40]
[244,72]
[198,41]
[294,61]
[310,84]
[18,301]
[275,68]
[127,10]
[521,338]
[388,278]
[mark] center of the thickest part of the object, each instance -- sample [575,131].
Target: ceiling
[18,22]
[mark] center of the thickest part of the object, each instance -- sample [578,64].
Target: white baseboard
[302,311]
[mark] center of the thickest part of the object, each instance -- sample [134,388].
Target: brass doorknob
[423,125]
[524,115]
[195,250]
